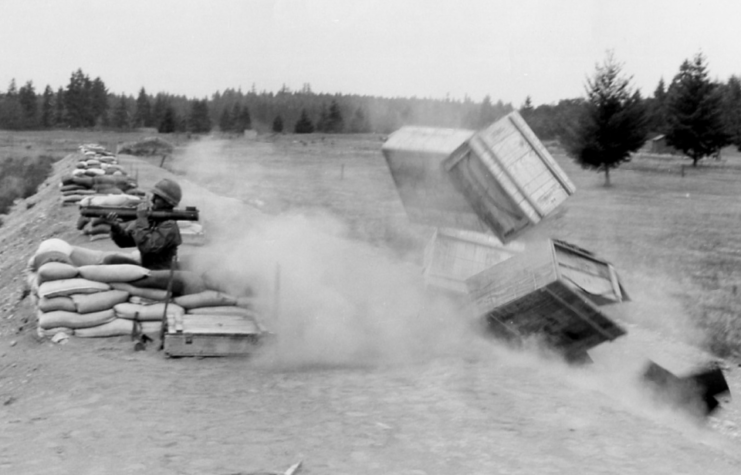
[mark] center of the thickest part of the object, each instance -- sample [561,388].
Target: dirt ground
[421,392]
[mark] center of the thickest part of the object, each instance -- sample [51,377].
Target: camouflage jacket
[157,241]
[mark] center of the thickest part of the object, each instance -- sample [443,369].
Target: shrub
[21,177]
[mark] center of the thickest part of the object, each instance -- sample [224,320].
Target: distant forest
[87,103]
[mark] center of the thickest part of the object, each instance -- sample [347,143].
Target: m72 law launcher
[190,213]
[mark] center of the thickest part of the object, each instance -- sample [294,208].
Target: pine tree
[244,120]
[98,102]
[278,124]
[169,121]
[60,113]
[322,124]
[143,113]
[47,108]
[29,106]
[121,114]
[732,110]
[612,123]
[694,112]
[78,103]
[304,125]
[359,122]
[335,122]
[226,123]
[11,113]
[199,120]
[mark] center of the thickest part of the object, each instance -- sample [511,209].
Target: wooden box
[552,289]
[415,157]
[453,255]
[211,335]
[508,177]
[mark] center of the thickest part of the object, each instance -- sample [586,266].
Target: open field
[371,373]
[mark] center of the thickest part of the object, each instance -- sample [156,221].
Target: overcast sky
[508,49]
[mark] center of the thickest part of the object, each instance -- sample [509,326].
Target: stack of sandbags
[91,293]
[97,227]
[80,299]
[97,172]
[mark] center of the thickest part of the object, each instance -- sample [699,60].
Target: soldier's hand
[142,210]
[111,218]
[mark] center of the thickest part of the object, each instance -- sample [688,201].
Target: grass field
[670,229]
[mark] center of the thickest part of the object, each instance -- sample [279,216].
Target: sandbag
[94,172]
[86,181]
[82,256]
[49,333]
[158,295]
[246,302]
[224,310]
[81,222]
[72,187]
[88,303]
[66,287]
[54,244]
[70,200]
[56,303]
[112,201]
[116,327]
[147,313]
[56,271]
[114,272]
[61,318]
[39,259]
[121,258]
[207,298]
[183,282]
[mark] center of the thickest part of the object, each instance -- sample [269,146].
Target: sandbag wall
[88,293]
[98,175]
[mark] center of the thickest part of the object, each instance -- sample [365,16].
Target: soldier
[157,241]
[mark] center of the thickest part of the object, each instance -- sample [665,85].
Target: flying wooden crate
[509,177]
[553,290]
[500,180]
[453,255]
[415,157]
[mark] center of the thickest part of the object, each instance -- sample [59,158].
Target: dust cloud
[336,302]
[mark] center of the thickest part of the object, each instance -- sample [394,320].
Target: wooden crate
[415,157]
[553,290]
[211,335]
[508,177]
[453,255]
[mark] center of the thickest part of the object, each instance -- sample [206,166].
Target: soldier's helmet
[168,190]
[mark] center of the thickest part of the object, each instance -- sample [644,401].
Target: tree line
[87,103]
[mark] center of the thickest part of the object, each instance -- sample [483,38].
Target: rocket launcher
[190,213]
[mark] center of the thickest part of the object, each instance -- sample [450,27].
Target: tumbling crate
[211,335]
[553,289]
[454,255]
[415,158]
[508,177]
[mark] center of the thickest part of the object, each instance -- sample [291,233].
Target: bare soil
[370,373]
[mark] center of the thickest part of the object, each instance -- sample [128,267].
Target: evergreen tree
[60,113]
[11,114]
[612,123]
[29,106]
[732,110]
[98,102]
[158,110]
[47,108]
[169,121]
[304,125]
[335,123]
[143,113]
[278,124]
[121,114]
[527,110]
[694,112]
[359,122]
[78,103]
[322,124]
[226,124]
[199,120]
[657,109]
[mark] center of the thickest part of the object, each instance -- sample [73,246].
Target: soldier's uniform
[157,241]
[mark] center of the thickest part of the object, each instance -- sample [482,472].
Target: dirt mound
[149,146]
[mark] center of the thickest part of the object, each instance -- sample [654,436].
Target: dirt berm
[94,406]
